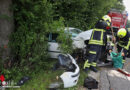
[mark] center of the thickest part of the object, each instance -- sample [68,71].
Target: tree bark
[6,27]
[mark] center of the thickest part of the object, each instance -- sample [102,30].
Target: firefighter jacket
[99,36]
[124,42]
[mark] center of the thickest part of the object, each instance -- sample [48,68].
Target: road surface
[111,79]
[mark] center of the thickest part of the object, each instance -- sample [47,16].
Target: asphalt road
[110,79]
[127,65]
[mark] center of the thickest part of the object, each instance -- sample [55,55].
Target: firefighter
[97,41]
[123,42]
[128,54]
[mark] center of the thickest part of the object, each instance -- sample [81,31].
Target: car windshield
[74,32]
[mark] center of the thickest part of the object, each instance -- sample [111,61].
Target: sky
[127,5]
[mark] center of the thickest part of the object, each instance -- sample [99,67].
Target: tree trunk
[6,27]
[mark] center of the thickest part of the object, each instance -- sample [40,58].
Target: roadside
[108,79]
[111,79]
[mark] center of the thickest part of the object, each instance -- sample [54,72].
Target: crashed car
[82,40]
[70,75]
[80,44]
[53,44]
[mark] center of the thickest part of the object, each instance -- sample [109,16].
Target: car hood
[84,35]
[78,41]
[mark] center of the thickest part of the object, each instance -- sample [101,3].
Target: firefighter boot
[93,68]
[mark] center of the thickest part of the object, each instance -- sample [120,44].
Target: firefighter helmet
[121,33]
[107,19]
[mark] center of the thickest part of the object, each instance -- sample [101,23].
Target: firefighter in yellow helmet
[123,42]
[97,41]
[107,19]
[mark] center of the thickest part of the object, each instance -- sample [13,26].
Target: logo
[7,84]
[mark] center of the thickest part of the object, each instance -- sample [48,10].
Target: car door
[53,45]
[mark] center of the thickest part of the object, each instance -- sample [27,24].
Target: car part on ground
[71,75]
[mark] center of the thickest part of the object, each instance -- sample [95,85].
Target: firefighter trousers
[94,55]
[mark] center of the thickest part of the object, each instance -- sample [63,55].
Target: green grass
[41,80]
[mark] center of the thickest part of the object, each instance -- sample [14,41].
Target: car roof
[69,28]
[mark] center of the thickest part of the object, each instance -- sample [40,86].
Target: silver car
[53,45]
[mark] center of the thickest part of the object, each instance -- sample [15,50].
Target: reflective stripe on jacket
[98,37]
[124,42]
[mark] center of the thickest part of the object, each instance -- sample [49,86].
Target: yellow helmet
[121,33]
[107,19]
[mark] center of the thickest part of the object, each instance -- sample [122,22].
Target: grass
[41,80]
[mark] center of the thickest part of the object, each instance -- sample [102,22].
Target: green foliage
[65,42]
[64,39]
[28,41]
[73,12]
[43,79]
[119,5]
[82,14]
